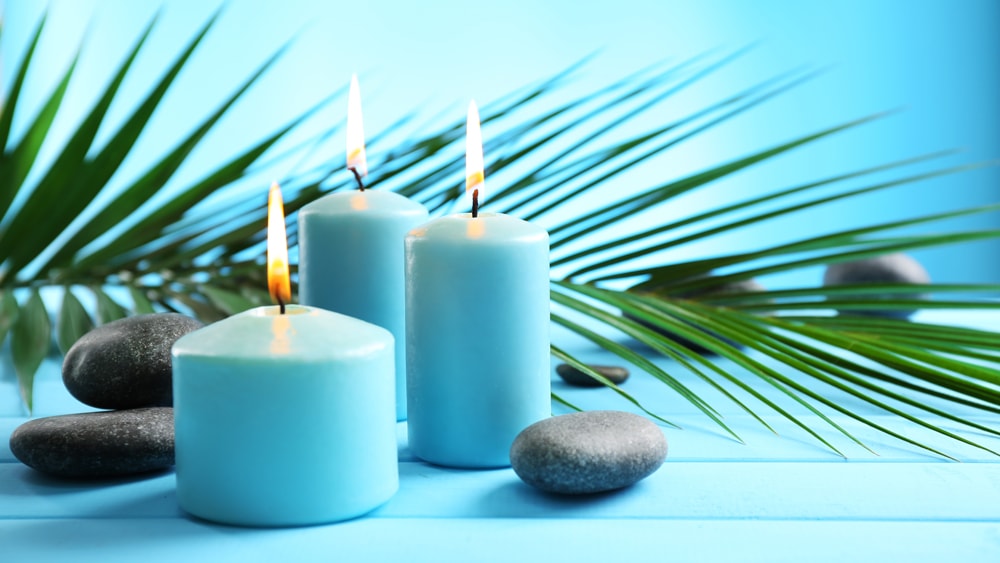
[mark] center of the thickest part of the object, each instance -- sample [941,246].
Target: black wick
[361,185]
[281,306]
[475,203]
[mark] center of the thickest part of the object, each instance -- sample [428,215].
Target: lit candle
[477,329]
[284,415]
[351,249]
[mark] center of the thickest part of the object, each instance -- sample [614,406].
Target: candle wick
[281,306]
[475,203]
[357,177]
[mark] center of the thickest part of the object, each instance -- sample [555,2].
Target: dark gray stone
[573,376]
[727,288]
[98,444]
[126,363]
[888,268]
[588,452]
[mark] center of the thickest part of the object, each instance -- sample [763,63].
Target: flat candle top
[373,201]
[486,228]
[301,334]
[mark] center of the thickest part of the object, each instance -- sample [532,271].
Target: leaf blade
[30,344]
[108,310]
[9,310]
[73,321]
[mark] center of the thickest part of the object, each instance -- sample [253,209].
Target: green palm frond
[545,155]
[37,217]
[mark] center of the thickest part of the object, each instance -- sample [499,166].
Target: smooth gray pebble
[588,452]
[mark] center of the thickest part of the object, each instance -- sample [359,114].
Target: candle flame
[356,159]
[475,177]
[278,284]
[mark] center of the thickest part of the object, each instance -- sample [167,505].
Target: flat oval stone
[573,376]
[588,452]
[98,444]
[888,268]
[126,363]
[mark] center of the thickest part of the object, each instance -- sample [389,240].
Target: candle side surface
[305,435]
[477,337]
[351,261]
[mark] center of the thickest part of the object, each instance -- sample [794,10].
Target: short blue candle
[284,419]
[351,262]
[477,330]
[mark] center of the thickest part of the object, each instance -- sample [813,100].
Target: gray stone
[889,268]
[665,291]
[588,452]
[98,444]
[573,376]
[126,363]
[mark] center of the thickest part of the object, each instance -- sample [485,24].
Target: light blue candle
[351,249]
[284,419]
[477,330]
[351,262]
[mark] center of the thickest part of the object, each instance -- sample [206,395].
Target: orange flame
[356,159]
[278,284]
[475,178]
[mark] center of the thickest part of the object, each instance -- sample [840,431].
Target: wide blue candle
[351,262]
[284,419]
[477,332]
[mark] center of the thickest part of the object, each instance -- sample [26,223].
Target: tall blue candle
[477,330]
[351,250]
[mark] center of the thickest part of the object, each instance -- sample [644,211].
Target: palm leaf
[547,151]
[30,338]
[36,247]
[64,189]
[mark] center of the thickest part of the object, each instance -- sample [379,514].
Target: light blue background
[939,60]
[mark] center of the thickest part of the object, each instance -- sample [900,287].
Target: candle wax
[477,329]
[351,262]
[284,419]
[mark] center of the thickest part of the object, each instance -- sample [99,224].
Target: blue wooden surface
[776,498]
